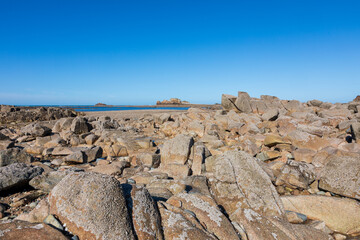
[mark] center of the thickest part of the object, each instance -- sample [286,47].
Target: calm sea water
[88,108]
[98,109]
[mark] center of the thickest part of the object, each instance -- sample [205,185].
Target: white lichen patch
[176,219]
[38,226]
[251,215]
[213,213]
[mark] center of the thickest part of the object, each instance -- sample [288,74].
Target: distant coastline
[104,107]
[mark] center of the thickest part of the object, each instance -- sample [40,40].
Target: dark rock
[35,130]
[46,182]
[17,175]
[79,125]
[14,155]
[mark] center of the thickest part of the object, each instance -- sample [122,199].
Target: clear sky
[138,52]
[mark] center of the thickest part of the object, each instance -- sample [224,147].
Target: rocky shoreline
[250,168]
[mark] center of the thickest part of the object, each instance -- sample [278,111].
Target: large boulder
[145,214]
[17,175]
[177,226]
[176,150]
[339,214]
[355,131]
[14,155]
[92,206]
[35,130]
[242,102]
[245,191]
[175,154]
[240,183]
[62,124]
[79,125]
[341,175]
[228,102]
[207,212]
[21,230]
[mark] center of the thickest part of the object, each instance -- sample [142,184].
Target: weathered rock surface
[339,214]
[92,206]
[176,150]
[79,125]
[14,155]
[145,214]
[17,175]
[176,226]
[36,130]
[207,212]
[242,184]
[46,182]
[341,175]
[21,230]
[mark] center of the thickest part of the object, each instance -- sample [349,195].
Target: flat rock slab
[242,183]
[21,230]
[341,175]
[17,175]
[339,214]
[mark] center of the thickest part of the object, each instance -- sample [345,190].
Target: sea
[92,108]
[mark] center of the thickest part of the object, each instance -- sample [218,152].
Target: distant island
[100,105]
[172,101]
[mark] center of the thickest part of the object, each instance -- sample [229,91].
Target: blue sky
[138,52]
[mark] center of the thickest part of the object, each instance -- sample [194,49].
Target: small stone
[294,217]
[52,221]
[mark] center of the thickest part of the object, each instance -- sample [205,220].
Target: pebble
[51,220]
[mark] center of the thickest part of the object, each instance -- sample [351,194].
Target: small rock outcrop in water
[100,105]
[171,101]
[252,168]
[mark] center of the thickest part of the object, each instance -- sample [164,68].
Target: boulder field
[259,168]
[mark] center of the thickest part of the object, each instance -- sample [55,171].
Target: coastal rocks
[17,175]
[46,182]
[115,150]
[272,140]
[79,125]
[242,184]
[174,156]
[176,150]
[340,175]
[296,175]
[38,214]
[22,230]
[242,102]
[114,169]
[145,215]
[77,157]
[10,114]
[35,130]
[207,212]
[228,102]
[175,225]
[355,131]
[339,214]
[14,155]
[270,115]
[92,206]
[63,124]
